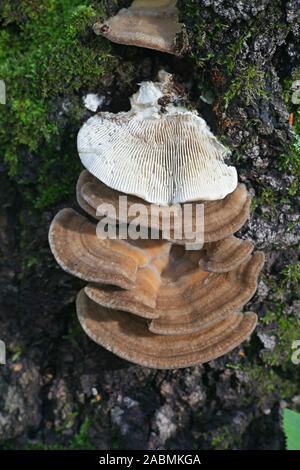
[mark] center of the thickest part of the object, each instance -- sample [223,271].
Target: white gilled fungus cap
[163,154]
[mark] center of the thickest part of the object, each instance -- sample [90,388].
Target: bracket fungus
[128,336]
[199,298]
[222,218]
[156,302]
[152,24]
[126,306]
[151,272]
[164,154]
[78,250]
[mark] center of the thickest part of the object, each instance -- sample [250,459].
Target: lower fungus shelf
[190,303]
[128,336]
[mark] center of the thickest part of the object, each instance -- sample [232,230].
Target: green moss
[49,57]
[283,326]
[16,351]
[7,445]
[234,50]
[225,65]
[272,370]
[251,82]
[291,275]
[222,441]
[286,331]
[269,380]
[74,330]
[79,441]
[116,443]
[203,33]
[268,199]
[288,93]
[290,161]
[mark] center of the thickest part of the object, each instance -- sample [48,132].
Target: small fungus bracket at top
[151,24]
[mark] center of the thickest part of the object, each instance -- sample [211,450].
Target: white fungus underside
[164,160]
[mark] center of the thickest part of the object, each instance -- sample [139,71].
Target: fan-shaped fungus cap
[154,271]
[221,218]
[199,298]
[128,336]
[214,297]
[147,23]
[163,154]
[225,255]
[78,250]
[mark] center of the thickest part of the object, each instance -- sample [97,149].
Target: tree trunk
[60,389]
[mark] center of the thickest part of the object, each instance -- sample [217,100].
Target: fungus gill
[163,154]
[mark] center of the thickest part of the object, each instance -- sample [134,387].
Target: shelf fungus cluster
[153,300]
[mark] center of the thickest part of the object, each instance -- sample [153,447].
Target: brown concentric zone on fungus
[222,218]
[151,272]
[198,298]
[128,336]
[78,250]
